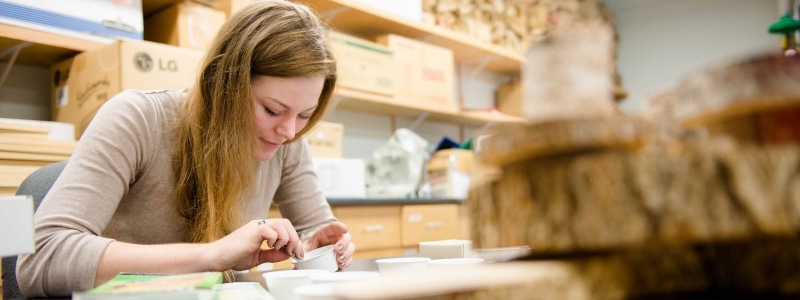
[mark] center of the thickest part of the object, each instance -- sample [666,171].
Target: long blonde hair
[214,160]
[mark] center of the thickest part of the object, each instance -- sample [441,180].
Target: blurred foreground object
[756,99]
[699,199]
[570,75]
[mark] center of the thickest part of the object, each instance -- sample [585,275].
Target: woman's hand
[241,250]
[334,233]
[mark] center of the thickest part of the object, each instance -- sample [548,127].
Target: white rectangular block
[16,225]
[446,249]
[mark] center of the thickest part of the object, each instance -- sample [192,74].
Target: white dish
[343,276]
[448,263]
[281,284]
[402,265]
[315,292]
[503,254]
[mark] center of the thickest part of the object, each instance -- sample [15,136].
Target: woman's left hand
[334,233]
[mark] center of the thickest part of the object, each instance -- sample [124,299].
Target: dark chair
[37,184]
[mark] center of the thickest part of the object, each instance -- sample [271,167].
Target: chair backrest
[37,184]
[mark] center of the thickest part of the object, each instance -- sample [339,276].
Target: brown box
[93,77]
[184,24]
[423,72]
[509,98]
[362,65]
[449,173]
[325,141]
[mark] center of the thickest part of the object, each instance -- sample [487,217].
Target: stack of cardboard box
[83,83]
[338,177]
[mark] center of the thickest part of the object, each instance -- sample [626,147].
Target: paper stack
[26,145]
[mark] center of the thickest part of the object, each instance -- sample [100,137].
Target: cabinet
[429,222]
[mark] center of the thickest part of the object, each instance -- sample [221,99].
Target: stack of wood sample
[637,214]
[24,147]
[513,24]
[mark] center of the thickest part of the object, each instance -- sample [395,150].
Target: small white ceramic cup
[322,258]
[401,265]
[450,263]
[281,284]
[342,276]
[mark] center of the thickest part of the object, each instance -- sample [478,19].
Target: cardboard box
[509,98]
[185,24]
[362,65]
[449,173]
[109,18]
[325,141]
[446,249]
[341,178]
[423,72]
[16,225]
[81,86]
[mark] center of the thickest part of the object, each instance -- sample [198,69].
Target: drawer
[429,223]
[371,227]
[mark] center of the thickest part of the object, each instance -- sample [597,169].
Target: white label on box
[16,225]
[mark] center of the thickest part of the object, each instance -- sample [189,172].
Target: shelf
[48,47]
[385,105]
[362,20]
[51,46]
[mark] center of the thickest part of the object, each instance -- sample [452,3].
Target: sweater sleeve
[299,197]
[71,218]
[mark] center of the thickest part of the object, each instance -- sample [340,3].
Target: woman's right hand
[241,250]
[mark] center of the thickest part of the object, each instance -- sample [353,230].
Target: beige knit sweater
[118,185]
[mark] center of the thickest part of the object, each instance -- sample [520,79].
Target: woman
[173,182]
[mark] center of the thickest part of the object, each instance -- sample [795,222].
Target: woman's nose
[286,129]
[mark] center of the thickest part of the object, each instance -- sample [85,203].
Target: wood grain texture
[701,190]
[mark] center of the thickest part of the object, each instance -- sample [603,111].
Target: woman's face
[282,107]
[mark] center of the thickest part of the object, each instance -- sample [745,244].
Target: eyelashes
[274,114]
[270,112]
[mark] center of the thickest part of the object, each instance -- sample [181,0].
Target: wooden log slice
[757,269]
[717,93]
[562,137]
[769,123]
[696,191]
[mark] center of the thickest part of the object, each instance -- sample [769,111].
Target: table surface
[256,276]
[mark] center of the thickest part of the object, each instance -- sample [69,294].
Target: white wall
[662,40]
[26,92]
